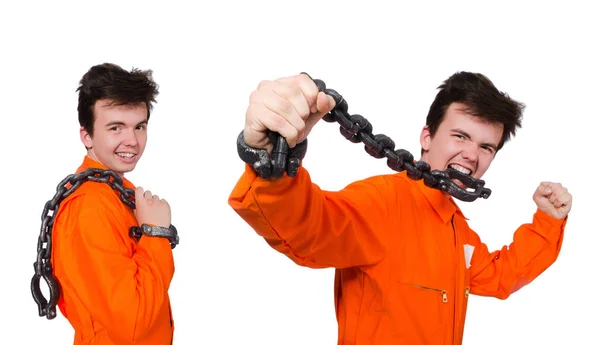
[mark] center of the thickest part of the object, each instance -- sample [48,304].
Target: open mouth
[126,157]
[463,170]
[460,168]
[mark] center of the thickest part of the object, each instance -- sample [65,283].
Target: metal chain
[43,266]
[358,129]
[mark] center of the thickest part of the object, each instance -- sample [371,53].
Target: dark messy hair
[111,82]
[482,99]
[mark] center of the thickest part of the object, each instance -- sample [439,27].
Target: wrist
[273,163]
[152,230]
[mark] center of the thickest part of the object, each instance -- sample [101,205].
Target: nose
[470,152]
[130,138]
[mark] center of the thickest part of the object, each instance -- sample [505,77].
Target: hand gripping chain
[357,129]
[43,266]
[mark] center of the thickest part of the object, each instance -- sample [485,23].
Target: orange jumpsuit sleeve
[316,228]
[534,248]
[122,288]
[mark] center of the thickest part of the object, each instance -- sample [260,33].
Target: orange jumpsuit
[405,258]
[113,290]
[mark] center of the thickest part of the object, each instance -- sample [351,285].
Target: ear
[425,138]
[86,138]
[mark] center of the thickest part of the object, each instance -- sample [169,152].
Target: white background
[229,286]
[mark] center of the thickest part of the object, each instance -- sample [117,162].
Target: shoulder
[397,182]
[393,188]
[92,200]
[94,192]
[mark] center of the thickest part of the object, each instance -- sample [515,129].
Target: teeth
[461,169]
[125,155]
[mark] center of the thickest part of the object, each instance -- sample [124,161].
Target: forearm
[123,292]
[313,227]
[534,248]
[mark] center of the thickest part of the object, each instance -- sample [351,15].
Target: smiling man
[406,260]
[114,287]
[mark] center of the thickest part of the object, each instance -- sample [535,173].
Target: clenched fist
[290,106]
[553,199]
[150,209]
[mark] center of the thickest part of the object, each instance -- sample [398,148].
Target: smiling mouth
[126,155]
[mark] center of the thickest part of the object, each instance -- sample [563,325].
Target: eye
[488,148]
[115,128]
[460,136]
[141,127]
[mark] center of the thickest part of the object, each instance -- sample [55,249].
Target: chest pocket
[419,301]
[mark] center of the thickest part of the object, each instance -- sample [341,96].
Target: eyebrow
[461,132]
[114,123]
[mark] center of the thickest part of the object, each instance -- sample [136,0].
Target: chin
[122,169]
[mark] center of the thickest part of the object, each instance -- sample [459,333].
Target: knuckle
[292,132]
[283,105]
[278,123]
[294,90]
[301,127]
[254,96]
[264,84]
[303,78]
[285,90]
[311,89]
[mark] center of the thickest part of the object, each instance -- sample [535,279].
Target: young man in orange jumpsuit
[405,257]
[114,289]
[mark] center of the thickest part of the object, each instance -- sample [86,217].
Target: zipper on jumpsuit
[455,285]
[443,292]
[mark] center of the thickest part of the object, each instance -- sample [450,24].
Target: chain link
[357,129]
[42,265]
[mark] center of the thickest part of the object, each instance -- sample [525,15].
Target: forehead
[105,111]
[458,117]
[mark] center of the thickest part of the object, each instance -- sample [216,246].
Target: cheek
[110,142]
[448,150]
[484,162]
[441,154]
[141,137]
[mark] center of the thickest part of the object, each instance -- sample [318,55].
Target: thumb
[324,103]
[139,192]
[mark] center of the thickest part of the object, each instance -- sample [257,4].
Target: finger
[552,185]
[309,90]
[318,115]
[139,191]
[544,189]
[557,193]
[293,94]
[324,103]
[147,194]
[155,197]
[276,123]
[313,119]
[285,109]
[564,200]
